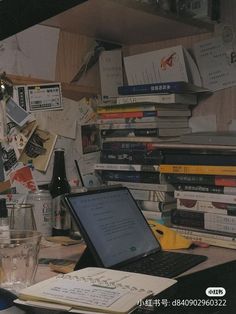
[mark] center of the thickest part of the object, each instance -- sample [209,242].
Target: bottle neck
[59,169]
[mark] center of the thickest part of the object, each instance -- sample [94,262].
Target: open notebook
[94,290]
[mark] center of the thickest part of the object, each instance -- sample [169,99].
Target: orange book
[199,169]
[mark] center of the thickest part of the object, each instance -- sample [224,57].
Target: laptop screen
[114,224]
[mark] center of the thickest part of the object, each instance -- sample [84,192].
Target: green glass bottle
[59,185]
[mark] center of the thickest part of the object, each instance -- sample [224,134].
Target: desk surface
[216,255]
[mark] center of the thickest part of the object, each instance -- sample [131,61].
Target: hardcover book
[179,87]
[203,196]
[145,186]
[206,138]
[161,124]
[199,169]
[189,99]
[126,167]
[154,196]
[173,178]
[207,206]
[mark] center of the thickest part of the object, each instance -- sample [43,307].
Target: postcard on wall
[22,179]
[39,149]
[164,65]
[216,60]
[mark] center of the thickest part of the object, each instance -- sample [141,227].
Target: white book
[126,167]
[144,186]
[94,289]
[156,122]
[155,196]
[202,196]
[157,206]
[189,99]
[202,206]
[141,139]
[164,124]
[209,238]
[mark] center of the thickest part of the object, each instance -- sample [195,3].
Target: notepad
[95,289]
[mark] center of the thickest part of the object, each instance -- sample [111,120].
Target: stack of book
[130,130]
[205,191]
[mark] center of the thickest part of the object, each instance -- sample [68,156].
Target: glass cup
[21,217]
[18,258]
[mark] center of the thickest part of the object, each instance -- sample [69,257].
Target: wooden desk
[215,255]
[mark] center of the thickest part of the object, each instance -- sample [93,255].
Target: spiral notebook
[94,290]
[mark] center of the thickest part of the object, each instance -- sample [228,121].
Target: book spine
[211,240]
[194,217]
[198,169]
[125,115]
[205,188]
[129,146]
[206,233]
[180,158]
[157,206]
[128,132]
[170,87]
[202,206]
[126,167]
[207,221]
[201,179]
[130,176]
[115,109]
[203,196]
[104,124]
[129,157]
[190,99]
[146,186]
[155,196]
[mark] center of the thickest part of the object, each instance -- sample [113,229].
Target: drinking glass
[18,258]
[21,217]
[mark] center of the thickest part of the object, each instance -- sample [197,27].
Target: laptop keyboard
[165,264]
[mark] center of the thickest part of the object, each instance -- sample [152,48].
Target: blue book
[180,87]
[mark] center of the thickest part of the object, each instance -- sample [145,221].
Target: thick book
[206,138]
[179,87]
[201,157]
[154,196]
[94,289]
[206,188]
[126,167]
[174,178]
[207,221]
[189,99]
[161,124]
[142,114]
[145,186]
[207,206]
[160,217]
[130,176]
[198,169]
[131,133]
[145,119]
[211,238]
[109,108]
[130,157]
[203,196]
[156,206]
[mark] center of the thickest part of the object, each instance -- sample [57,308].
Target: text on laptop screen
[114,225]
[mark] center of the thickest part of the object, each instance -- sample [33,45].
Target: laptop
[118,236]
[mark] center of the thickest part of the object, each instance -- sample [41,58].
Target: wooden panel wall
[73,47]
